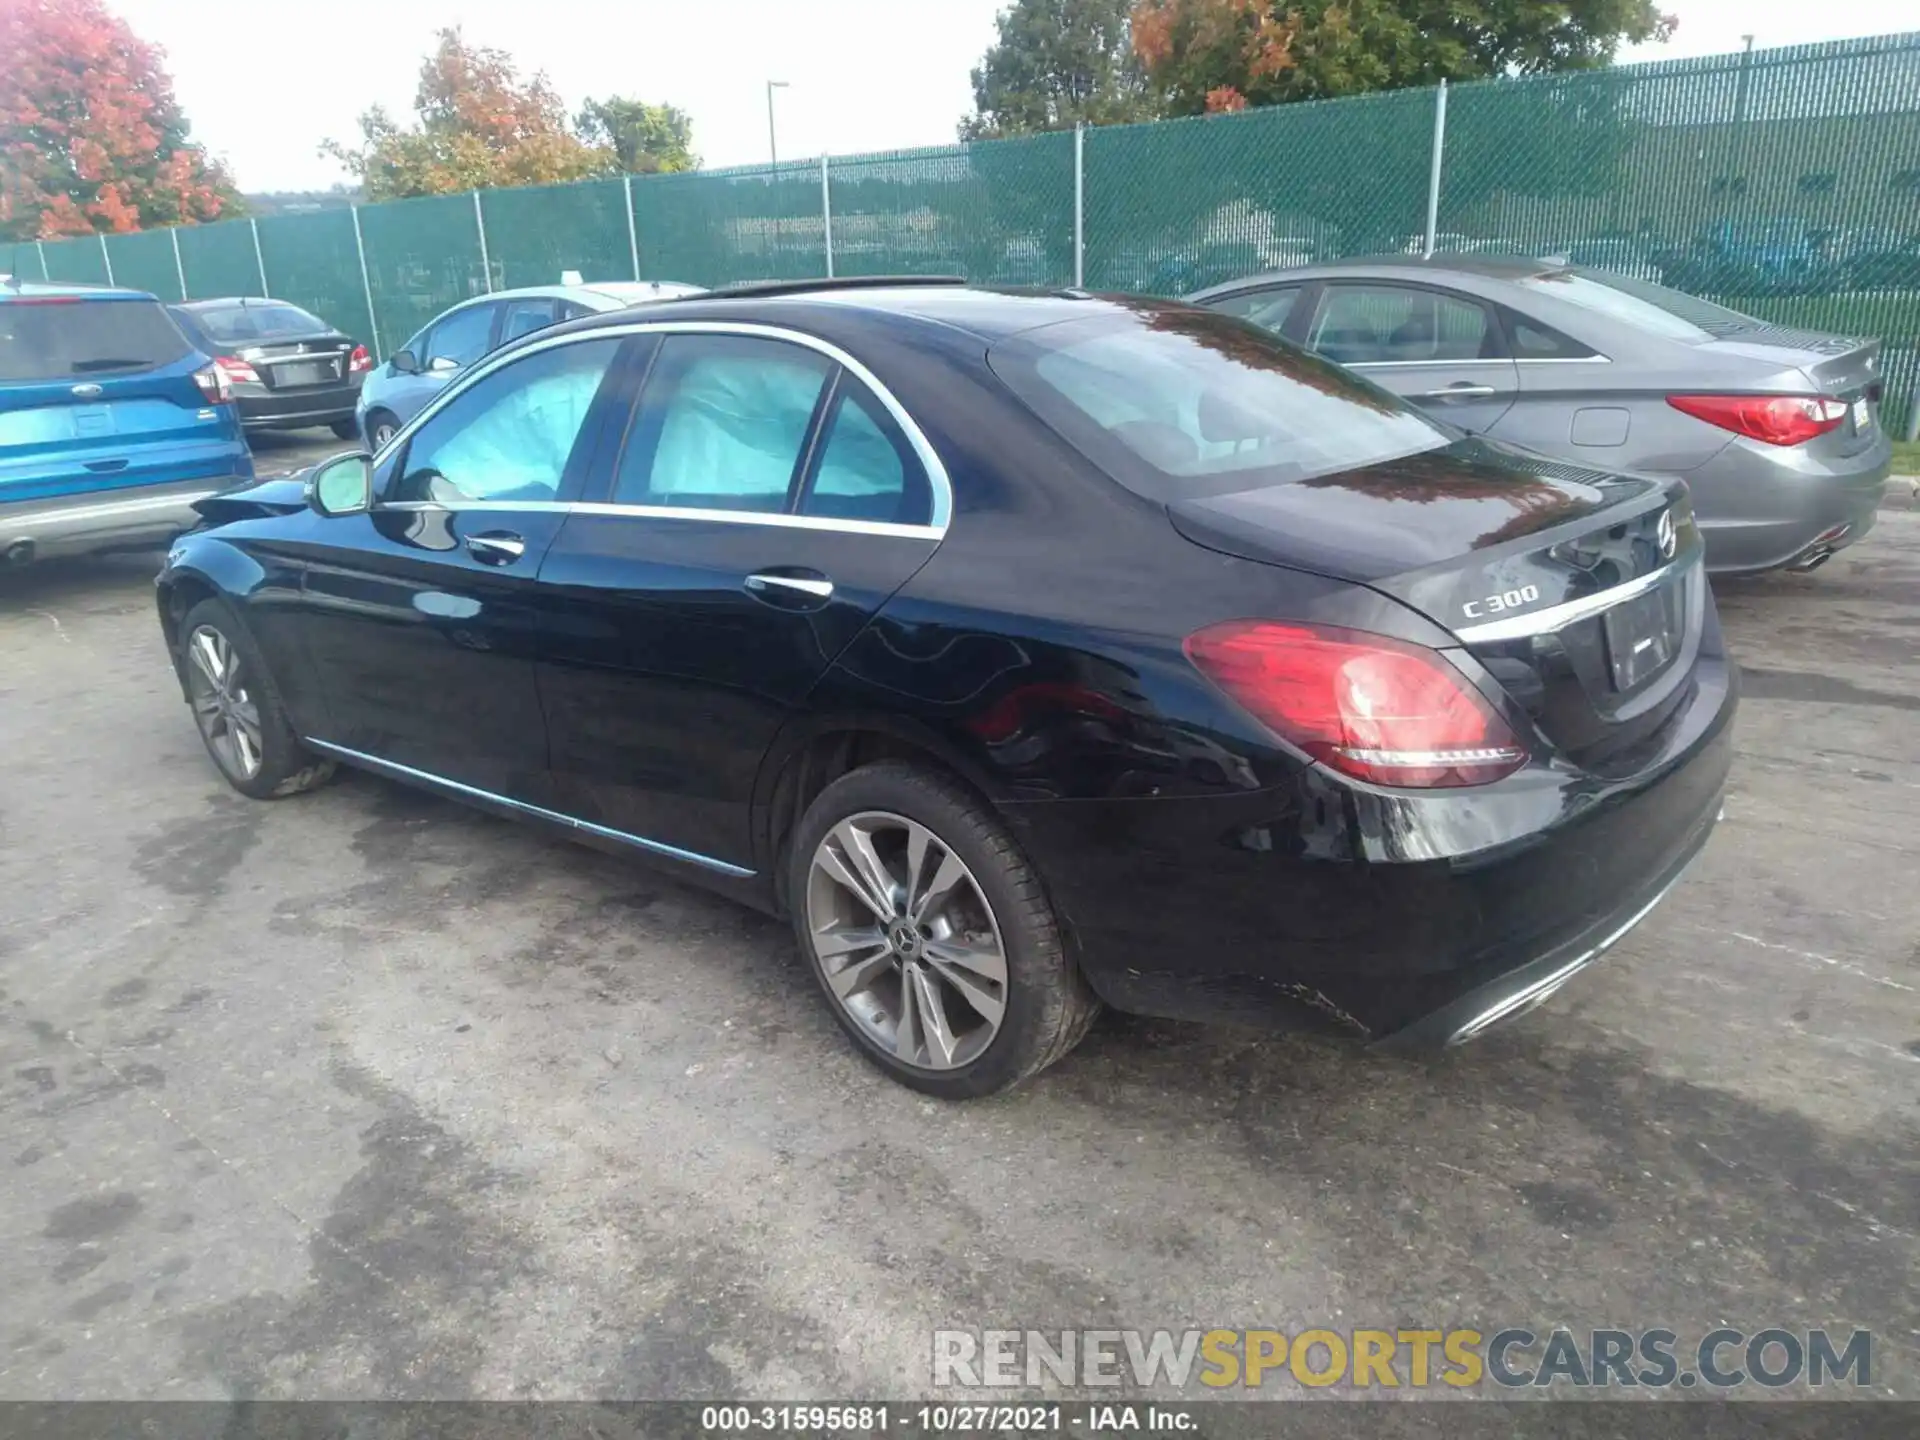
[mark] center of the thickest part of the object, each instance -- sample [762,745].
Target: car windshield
[239,324]
[1174,402]
[1640,303]
[58,338]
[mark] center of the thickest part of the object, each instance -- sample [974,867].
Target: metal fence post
[826,214]
[105,258]
[633,233]
[366,282]
[480,224]
[1433,175]
[179,270]
[1079,206]
[259,259]
[41,249]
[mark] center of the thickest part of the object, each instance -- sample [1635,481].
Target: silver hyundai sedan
[1776,431]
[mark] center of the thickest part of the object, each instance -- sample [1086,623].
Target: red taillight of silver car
[1380,710]
[1771,419]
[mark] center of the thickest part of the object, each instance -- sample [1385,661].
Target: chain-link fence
[1785,183]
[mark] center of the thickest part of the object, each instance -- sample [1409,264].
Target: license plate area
[305,372]
[1642,635]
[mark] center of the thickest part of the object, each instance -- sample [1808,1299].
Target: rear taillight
[1773,419]
[238,372]
[1373,708]
[359,360]
[213,384]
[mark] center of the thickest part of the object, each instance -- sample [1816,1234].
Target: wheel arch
[813,752]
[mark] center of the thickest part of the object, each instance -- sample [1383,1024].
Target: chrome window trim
[938,481]
[779,519]
[1569,612]
[639,842]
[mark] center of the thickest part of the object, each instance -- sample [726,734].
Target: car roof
[987,313]
[1377,267]
[228,301]
[56,290]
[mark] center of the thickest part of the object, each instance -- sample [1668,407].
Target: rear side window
[722,424]
[63,339]
[242,324]
[1175,402]
[523,317]
[865,470]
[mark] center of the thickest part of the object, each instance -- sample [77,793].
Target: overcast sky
[264,83]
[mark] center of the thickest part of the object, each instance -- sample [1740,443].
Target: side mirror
[405,362]
[441,365]
[342,485]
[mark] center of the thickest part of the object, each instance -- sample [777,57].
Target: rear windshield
[237,324]
[1641,304]
[58,339]
[1174,402]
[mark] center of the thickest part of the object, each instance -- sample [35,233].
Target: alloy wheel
[382,433]
[906,940]
[223,705]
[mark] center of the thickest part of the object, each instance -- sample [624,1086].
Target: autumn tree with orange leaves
[478,123]
[1217,55]
[91,138]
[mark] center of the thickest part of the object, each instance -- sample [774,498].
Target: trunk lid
[308,362]
[1838,366]
[1578,591]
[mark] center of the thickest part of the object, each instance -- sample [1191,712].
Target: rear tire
[345,429]
[237,708]
[381,427]
[930,934]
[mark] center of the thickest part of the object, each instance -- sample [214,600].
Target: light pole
[773,147]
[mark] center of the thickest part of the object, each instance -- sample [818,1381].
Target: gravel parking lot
[364,1094]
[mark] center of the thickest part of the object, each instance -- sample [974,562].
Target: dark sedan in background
[1029,651]
[1776,431]
[288,369]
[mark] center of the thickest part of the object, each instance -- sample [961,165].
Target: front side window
[461,337]
[509,435]
[722,424]
[1269,309]
[866,470]
[1369,324]
[1173,402]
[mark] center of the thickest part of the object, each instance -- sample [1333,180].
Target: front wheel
[381,427]
[930,934]
[237,708]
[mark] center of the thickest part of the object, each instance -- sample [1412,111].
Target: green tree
[1205,55]
[645,139]
[1058,63]
[478,124]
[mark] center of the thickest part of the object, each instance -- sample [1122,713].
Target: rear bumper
[1384,916]
[294,409]
[104,519]
[1764,508]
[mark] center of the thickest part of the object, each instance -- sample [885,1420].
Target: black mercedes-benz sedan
[1029,651]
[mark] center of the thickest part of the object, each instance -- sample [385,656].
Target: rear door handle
[1464,390]
[795,589]
[496,547]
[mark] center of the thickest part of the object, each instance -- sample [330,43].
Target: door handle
[496,547]
[1460,390]
[806,588]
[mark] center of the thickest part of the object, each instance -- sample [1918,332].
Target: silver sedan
[1776,431]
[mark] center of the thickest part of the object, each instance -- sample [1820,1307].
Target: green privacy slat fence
[722,227]
[1180,204]
[999,211]
[219,260]
[422,256]
[144,260]
[311,261]
[1785,183]
[535,235]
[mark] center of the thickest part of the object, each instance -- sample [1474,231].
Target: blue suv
[111,423]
